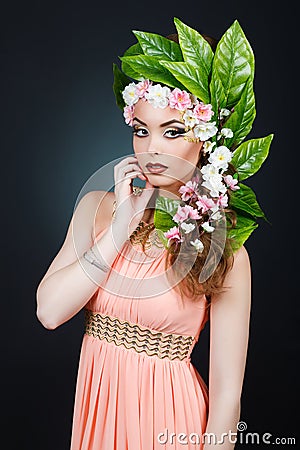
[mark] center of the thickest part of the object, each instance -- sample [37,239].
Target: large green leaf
[245,200]
[191,78]
[170,205]
[217,95]
[150,67]
[232,65]
[120,82]
[165,209]
[241,120]
[249,156]
[134,49]
[195,49]
[158,46]
[162,220]
[243,229]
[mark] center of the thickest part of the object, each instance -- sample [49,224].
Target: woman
[136,386]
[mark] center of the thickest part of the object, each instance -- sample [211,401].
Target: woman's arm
[70,281]
[229,332]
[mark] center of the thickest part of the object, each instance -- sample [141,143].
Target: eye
[174,132]
[139,131]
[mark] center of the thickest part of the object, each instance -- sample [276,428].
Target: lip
[156,167]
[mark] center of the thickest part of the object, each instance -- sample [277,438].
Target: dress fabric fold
[137,400]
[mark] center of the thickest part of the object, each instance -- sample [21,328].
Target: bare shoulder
[241,268]
[98,205]
[237,284]
[241,258]
[91,215]
[104,207]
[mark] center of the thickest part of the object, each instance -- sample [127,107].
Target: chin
[164,182]
[159,177]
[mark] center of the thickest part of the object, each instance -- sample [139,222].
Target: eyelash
[179,132]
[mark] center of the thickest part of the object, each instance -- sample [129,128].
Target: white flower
[224,113]
[189,119]
[207,227]
[208,171]
[216,215]
[158,96]
[220,157]
[198,245]
[208,146]
[205,130]
[130,94]
[215,185]
[187,227]
[227,132]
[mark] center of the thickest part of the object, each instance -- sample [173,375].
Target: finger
[125,161]
[130,167]
[131,175]
[127,169]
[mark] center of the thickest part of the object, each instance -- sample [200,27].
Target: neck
[169,191]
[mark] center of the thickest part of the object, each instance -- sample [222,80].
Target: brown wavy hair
[217,257]
[190,286]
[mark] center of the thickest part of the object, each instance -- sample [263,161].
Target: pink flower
[203,112]
[222,200]
[142,87]
[179,99]
[231,182]
[188,191]
[128,114]
[196,179]
[204,203]
[185,212]
[173,233]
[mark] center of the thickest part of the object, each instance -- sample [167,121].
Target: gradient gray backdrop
[60,124]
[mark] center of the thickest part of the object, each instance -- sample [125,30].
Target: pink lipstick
[156,167]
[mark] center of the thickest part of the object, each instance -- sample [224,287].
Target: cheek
[138,145]
[140,151]
[188,151]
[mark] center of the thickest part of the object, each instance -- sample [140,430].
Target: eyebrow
[163,124]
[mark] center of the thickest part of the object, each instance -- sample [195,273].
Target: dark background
[60,124]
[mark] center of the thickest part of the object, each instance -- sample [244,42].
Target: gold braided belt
[138,337]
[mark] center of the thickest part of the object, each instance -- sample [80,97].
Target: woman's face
[159,139]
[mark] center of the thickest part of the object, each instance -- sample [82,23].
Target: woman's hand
[129,207]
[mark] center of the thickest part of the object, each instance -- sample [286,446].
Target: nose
[153,146]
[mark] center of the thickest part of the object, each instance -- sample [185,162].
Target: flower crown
[214,93]
[195,114]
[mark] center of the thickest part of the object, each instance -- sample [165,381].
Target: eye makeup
[172,133]
[175,132]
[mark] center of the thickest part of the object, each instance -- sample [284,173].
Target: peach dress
[129,400]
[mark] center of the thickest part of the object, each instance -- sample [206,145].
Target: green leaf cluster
[165,209]
[223,78]
[247,160]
